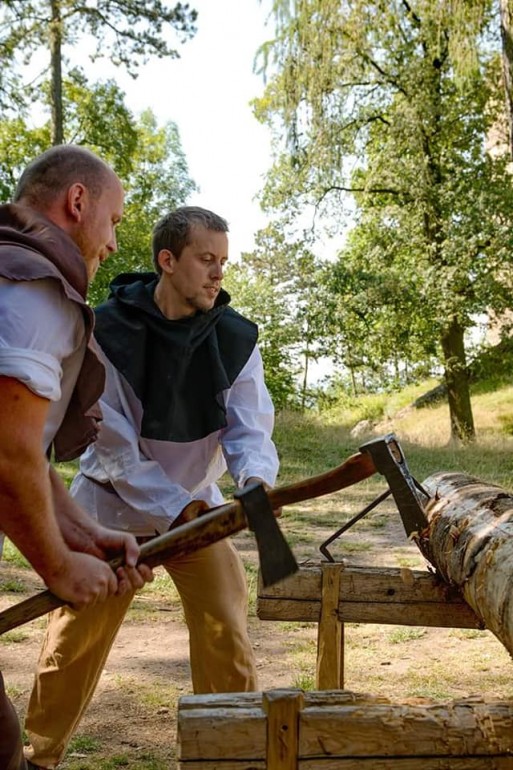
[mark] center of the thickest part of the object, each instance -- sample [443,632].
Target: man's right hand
[82,580]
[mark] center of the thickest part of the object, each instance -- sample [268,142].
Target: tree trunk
[506,9]
[457,381]
[56,73]
[305,377]
[470,542]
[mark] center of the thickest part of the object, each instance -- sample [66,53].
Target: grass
[403,635]
[394,661]
[13,586]
[83,744]
[12,556]
[13,637]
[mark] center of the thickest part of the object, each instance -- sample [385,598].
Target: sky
[207,93]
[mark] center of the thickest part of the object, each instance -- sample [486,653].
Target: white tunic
[42,343]
[155,480]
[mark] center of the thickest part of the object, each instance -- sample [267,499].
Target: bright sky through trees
[207,93]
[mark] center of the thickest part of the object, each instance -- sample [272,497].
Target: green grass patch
[405,634]
[13,586]
[83,744]
[11,555]
[304,681]
[13,637]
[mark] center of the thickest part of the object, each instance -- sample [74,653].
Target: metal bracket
[409,495]
[323,548]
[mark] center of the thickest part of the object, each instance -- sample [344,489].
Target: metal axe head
[276,558]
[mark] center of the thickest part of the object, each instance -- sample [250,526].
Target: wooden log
[363,763]
[345,730]
[471,546]
[369,595]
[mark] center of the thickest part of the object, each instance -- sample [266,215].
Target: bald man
[59,229]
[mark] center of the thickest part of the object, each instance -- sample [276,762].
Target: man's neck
[167,304]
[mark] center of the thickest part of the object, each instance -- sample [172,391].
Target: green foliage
[83,744]
[96,116]
[381,102]
[148,158]
[128,31]
[274,286]
[11,554]
[157,182]
[13,586]
[18,145]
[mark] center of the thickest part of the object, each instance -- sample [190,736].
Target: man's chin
[91,272]
[203,305]
[92,266]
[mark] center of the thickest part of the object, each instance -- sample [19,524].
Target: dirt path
[131,721]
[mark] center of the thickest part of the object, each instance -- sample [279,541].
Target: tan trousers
[212,586]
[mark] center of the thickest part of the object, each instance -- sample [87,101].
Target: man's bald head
[78,192]
[53,172]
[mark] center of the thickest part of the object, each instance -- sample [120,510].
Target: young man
[52,239]
[185,399]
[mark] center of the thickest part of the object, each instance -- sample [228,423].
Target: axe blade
[276,558]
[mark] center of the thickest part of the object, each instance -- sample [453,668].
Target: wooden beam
[282,708]
[330,638]
[338,729]
[370,595]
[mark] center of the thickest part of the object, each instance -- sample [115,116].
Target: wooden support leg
[282,708]
[330,639]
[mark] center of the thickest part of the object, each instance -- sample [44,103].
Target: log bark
[471,545]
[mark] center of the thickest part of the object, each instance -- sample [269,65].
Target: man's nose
[112,245]
[217,270]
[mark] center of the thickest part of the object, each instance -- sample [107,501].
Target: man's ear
[76,200]
[166,260]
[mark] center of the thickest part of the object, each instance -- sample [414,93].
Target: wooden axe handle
[212,526]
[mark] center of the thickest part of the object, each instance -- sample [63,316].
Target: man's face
[193,281]
[95,235]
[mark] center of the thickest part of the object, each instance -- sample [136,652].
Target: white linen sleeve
[39,328]
[246,441]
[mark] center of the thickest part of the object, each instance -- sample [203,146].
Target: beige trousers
[212,586]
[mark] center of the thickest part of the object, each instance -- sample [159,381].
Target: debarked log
[471,545]
[340,729]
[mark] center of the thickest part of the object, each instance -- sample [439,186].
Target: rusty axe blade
[276,559]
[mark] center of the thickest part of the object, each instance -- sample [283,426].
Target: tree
[97,117]
[129,30]
[158,181]
[274,286]
[148,158]
[506,14]
[371,104]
